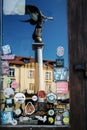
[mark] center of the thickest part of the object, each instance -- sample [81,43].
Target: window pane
[35,89]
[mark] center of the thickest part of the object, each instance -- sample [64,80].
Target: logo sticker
[19,98]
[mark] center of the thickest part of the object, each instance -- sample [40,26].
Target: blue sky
[19,35]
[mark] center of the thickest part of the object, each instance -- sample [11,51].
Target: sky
[55,33]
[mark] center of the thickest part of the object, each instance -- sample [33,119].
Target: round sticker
[8,92]
[14,85]
[66,120]
[51,97]
[58,117]
[41,94]
[60,51]
[51,112]
[7,80]
[19,98]
[34,98]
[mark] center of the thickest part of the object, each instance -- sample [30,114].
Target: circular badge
[51,97]
[66,120]
[58,117]
[19,98]
[51,112]
[41,94]
[60,51]
[34,98]
[8,92]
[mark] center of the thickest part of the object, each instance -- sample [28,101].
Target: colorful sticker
[7,80]
[14,84]
[50,120]
[66,120]
[8,92]
[41,94]
[60,51]
[51,112]
[51,97]
[29,108]
[34,98]
[19,98]
[6,49]
[6,117]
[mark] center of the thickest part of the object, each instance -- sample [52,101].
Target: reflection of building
[24,71]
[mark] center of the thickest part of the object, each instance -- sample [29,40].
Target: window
[31,74]
[48,76]
[31,88]
[11,72]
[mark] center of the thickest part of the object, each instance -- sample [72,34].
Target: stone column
[38,48]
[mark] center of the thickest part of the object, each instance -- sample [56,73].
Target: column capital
[37,45]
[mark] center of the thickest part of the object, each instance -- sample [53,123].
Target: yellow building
[24,71]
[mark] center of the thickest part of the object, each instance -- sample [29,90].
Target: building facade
[25,71]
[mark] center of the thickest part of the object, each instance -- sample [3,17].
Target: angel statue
[36,18]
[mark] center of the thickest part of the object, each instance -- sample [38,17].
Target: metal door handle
[82,67]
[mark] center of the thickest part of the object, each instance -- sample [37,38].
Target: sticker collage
[41,108]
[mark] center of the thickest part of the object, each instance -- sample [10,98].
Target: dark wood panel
[77,20]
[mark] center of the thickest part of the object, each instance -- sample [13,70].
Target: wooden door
[77,19]
[77,47]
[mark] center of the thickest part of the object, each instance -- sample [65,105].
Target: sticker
[58,122]
[5,71]
[34,98]
[6,49]
[51,120]
[14,84]
[13,122]
[7,80]
[8,57]
[51,97]
[9,101]
[62,87]
[21,118]
[8,109]
[41,118]
[6,117]
[29,108]
[8,92]
[19,98]
[58,117]
[60,51]
[41,94]
[66,114]
[17,112]
[51,112]
[5,64]
[66,120]
[60,73]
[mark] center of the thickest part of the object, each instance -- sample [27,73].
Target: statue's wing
[33,11]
